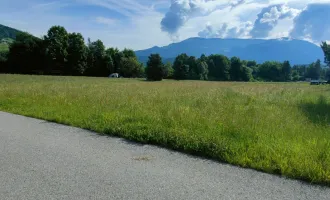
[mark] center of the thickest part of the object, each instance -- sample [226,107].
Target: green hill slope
[3,47]
[7,32]
[7,36]
[4,44]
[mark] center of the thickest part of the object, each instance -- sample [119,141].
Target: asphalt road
[42,160]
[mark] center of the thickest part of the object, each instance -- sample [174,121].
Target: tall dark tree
[26,54]
[218,66]
[270,71]
[251,63]
[77,55]
[314,70]
[287,71]
[326,49]
[57,47]
[155,68]
[4,62]
[116,57]
[181,67]
[193,71]
[203,58]
[96,65]
[236,69]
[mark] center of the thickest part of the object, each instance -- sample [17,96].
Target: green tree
[77,55]
[116,57]
[129,53]
[26,54]
[236,69]
[109,63]
[181,67]
[299,72]
[202,70]
[155,68]
[203,58]
[130,67]
[3,62]
[57,46]
[193,71]
[314,70]
[326,49]
[287,71]
[251,63]
[295,76]
[96,65]
[168,71]
[270,71]
[181,72]
[218,67]
[246,74]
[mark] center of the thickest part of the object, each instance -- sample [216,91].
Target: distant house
[114,75]
[318,82]
[315,82]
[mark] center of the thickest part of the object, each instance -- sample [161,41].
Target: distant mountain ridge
[260,50]
[7,36]
[7,32]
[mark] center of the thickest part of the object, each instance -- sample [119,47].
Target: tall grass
[281,128]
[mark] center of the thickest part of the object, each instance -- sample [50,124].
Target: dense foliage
[155,70]
[60,52]
[63,53]
[326,49]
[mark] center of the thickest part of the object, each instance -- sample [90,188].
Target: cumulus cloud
[269,17]
[236,3]
[224,31]
[313,23]
[182,10]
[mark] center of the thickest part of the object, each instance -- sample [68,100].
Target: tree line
[63,53]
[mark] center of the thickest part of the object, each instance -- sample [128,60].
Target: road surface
[42,160]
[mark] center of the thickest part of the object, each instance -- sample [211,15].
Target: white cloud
[269,17]
[105,20]
[183,10]
[140,24]
[273,19]
[225,31]
[313,23]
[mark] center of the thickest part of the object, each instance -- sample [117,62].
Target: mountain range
[260,50]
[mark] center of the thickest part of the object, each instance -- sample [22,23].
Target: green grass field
[281,128]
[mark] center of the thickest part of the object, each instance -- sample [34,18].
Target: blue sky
[140,24]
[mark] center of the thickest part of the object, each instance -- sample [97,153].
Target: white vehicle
[114,75]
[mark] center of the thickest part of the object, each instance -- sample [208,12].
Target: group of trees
[60,52]
[221,68]
[312,71]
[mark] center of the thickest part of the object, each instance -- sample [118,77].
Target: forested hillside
[7,32]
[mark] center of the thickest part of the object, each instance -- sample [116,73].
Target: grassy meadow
[281,128]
